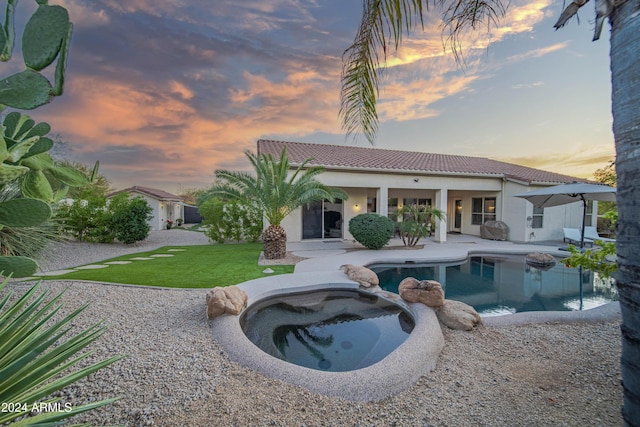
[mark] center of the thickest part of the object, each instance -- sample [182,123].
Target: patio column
[440,234]
[383,201]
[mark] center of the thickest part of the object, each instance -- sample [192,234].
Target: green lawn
[205,266]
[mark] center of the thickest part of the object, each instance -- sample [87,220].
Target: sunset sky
[163,92]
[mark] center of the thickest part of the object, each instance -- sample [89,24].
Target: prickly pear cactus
[24,150]
[24,146]
[46,36]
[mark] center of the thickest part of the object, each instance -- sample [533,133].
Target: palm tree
[417,222]
[385,21]
[275,192]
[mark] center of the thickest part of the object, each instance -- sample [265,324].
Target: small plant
[34,359]
[371,230]
[600,261]
[179,221]
[168,224]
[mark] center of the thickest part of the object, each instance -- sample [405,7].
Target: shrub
[130,218]
[91,220]
[230,221]
[371,230]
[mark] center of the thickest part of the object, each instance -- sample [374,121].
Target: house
[166,206]
[470,190]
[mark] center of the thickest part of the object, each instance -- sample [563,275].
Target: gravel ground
[173,373]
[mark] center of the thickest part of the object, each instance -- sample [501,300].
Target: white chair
[592,233]
[572,235]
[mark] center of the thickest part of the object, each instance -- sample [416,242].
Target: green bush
[91,220]
[230,221]
[130,218]
[371,230]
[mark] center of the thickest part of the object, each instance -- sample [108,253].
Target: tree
[417,222]
[275,192]
[385,21]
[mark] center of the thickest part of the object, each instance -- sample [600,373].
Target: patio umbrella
[569,193]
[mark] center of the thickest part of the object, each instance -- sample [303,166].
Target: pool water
[329,330]
[505,284]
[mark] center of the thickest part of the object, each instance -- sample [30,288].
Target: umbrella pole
[584,218]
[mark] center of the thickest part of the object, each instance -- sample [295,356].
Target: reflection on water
[505,284]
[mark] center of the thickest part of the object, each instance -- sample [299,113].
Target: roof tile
[340,156]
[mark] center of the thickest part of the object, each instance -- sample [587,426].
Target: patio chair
[572,235]
[592,233]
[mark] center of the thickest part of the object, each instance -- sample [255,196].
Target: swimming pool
[504,284]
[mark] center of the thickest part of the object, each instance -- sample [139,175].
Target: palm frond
[384,22]
[273,188]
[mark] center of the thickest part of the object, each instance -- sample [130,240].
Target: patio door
[456,221]
[322,220]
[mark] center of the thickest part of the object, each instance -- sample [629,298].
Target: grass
[204,266]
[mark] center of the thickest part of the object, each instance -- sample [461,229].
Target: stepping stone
[140,258]
[92,267]
[161,255]
[176,250]
[118,262]
[54,273]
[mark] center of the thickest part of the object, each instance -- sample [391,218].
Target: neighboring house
[166,206]
[470,190]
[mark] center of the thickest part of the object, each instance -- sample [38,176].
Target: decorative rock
[543,259]
[364,276]
[458,315]
[268,271]
[230,300]
[427,292]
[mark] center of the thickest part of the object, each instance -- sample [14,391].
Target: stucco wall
[512,210]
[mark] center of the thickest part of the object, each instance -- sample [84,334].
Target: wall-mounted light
[162,205]
[416,179]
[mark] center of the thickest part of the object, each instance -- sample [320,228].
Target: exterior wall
[516,212]
[161,211]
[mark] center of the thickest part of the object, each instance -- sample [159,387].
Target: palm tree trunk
[625,79]
[275,242]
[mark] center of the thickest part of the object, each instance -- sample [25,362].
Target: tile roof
[376,159]
[153,192]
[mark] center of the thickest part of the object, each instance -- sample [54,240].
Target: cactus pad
[24,212]
[69,176]
[25,90]
[18,266]
[44,35]
[36,186]
[10,172]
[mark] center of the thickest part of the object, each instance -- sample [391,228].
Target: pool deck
[414,358]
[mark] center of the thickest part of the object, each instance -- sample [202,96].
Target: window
[538,214]
[589,213]
[483,209]
[372,203]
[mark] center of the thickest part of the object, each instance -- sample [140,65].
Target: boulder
[230,300]
[365,277]
[538,259]
[427,292]
[458,315]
